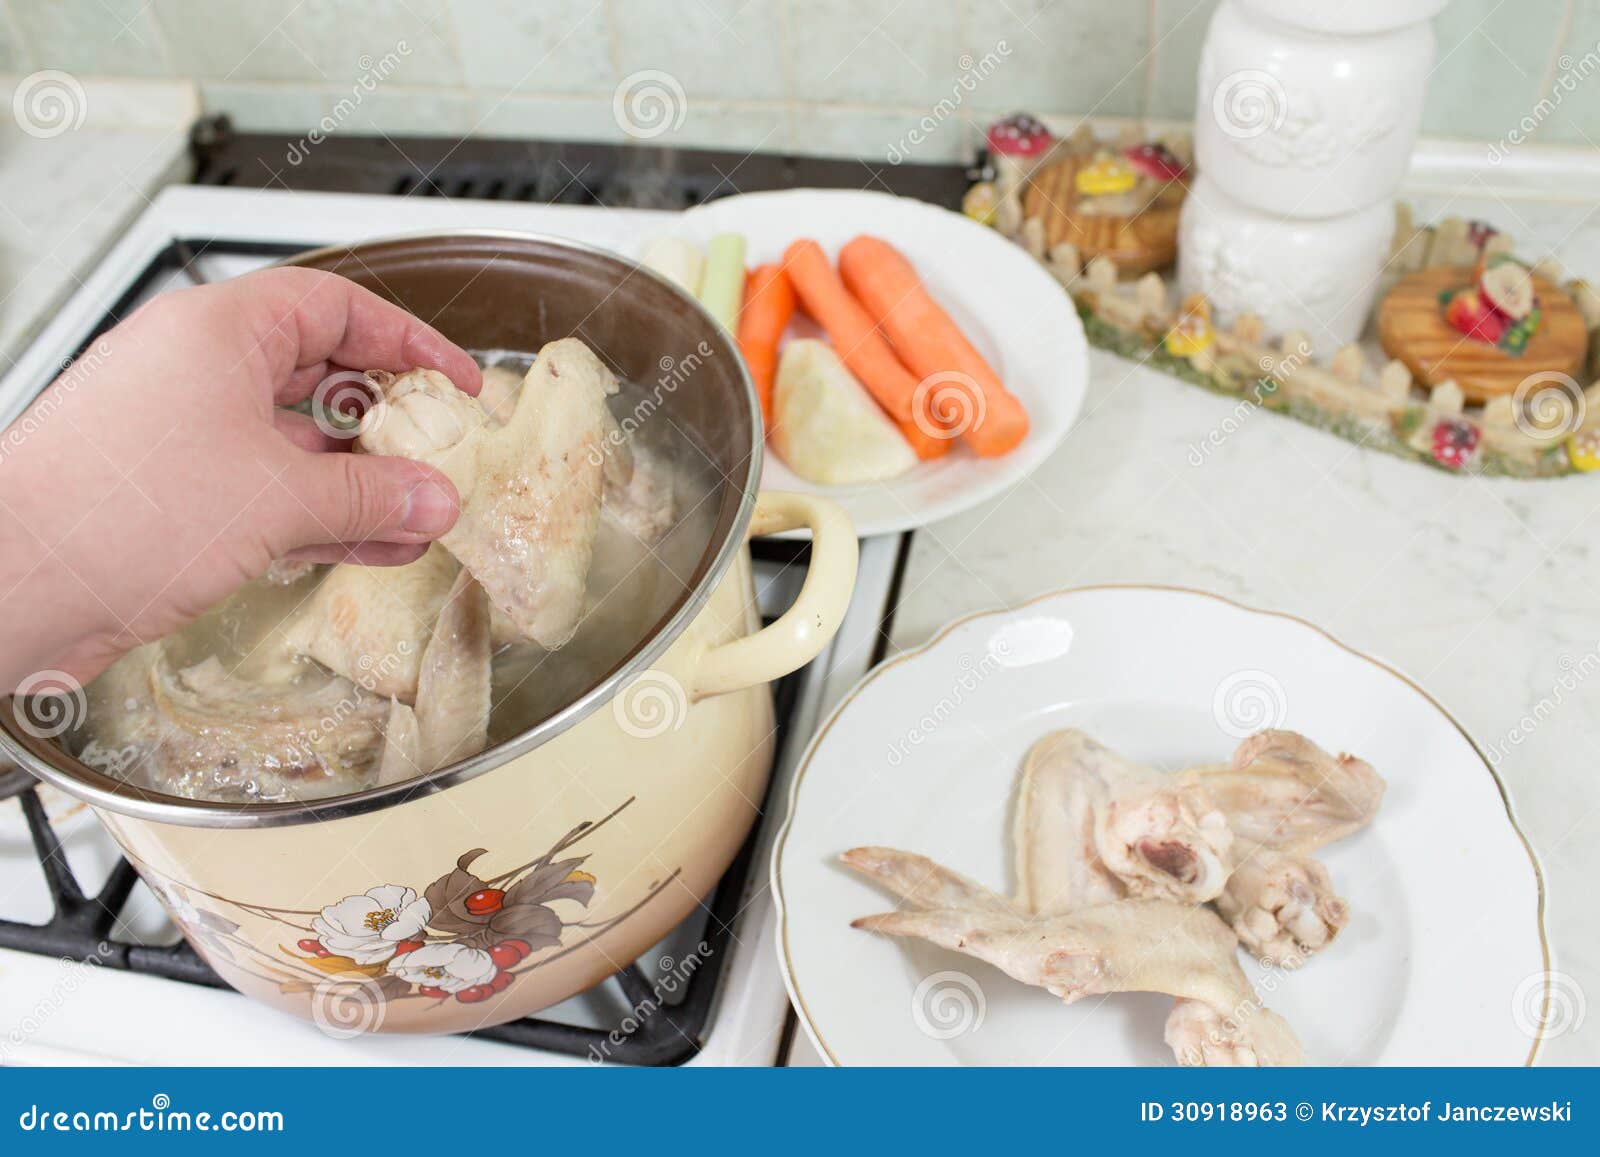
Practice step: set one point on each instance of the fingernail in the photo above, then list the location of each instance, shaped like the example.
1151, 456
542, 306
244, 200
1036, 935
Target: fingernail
430, 509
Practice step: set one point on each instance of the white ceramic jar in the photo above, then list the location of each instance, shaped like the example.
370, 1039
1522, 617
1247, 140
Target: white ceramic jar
1316, 277
1310, 116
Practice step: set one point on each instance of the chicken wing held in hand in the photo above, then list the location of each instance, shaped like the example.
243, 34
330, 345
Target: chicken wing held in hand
531, 489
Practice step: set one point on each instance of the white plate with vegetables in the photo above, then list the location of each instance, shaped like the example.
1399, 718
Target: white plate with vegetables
913, 363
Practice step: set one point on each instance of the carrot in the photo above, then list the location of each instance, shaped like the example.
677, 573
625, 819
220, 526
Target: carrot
932, 345
768, 305
860, 346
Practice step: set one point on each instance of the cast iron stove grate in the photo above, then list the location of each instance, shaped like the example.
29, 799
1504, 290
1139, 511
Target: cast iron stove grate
82, 926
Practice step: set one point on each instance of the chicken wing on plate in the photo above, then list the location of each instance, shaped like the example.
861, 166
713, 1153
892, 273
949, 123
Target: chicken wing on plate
1135, 945
1158, 835
1282, 791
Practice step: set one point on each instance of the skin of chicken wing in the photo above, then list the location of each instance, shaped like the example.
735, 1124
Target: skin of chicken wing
1159, 836
1059, 869
1283, 907
1282, 791
531, 489
1135, 945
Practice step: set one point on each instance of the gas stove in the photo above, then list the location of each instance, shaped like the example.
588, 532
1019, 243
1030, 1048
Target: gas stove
92, 970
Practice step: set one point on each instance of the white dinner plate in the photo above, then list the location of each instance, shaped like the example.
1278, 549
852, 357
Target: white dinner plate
1017, 315
1444, 960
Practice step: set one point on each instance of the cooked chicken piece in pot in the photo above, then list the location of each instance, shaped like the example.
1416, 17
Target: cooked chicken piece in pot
371, 624
205, 733
530, 490
451, 718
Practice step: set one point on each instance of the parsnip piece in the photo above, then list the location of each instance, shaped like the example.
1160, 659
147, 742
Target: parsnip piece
677, 260
826, 426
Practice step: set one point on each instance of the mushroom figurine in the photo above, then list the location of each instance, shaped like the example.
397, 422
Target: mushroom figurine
1016, 144
1583, 450
1154, 160
1192, 334
1105, 176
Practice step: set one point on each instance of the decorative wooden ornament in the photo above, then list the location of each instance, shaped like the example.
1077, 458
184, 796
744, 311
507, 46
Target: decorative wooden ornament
1120, 206
1413, 328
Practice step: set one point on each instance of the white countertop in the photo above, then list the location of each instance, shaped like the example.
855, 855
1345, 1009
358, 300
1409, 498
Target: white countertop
65, 198
1483, 591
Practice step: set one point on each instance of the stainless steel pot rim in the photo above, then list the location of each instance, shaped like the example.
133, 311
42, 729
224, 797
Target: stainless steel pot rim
49, 763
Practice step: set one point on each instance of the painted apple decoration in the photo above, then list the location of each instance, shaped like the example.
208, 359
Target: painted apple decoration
432, 991
1454, 443
1508, 287
475, 994
485, 901
1470, 313
1154, 160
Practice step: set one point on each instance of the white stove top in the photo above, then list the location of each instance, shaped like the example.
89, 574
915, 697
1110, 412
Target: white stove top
66, 1012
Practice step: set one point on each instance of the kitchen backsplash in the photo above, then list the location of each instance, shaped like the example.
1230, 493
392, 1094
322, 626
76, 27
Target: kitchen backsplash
906, 80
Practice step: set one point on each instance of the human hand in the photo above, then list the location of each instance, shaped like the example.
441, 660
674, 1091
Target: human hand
158, 474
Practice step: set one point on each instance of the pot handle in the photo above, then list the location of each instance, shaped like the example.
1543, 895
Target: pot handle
801, 632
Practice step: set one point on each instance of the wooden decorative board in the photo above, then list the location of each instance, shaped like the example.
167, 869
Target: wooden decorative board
1412, 328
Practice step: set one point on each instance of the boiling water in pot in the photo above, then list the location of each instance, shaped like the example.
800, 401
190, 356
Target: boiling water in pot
291, 731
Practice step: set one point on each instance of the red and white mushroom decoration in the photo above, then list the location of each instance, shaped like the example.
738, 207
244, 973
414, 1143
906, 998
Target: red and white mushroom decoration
1154, 160
1015, 145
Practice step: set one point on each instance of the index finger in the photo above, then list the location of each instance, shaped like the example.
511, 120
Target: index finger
304, 317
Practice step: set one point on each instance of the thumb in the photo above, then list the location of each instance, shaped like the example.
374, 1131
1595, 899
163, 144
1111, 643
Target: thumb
349, 498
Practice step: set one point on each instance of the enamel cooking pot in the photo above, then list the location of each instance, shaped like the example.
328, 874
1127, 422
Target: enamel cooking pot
517, 878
